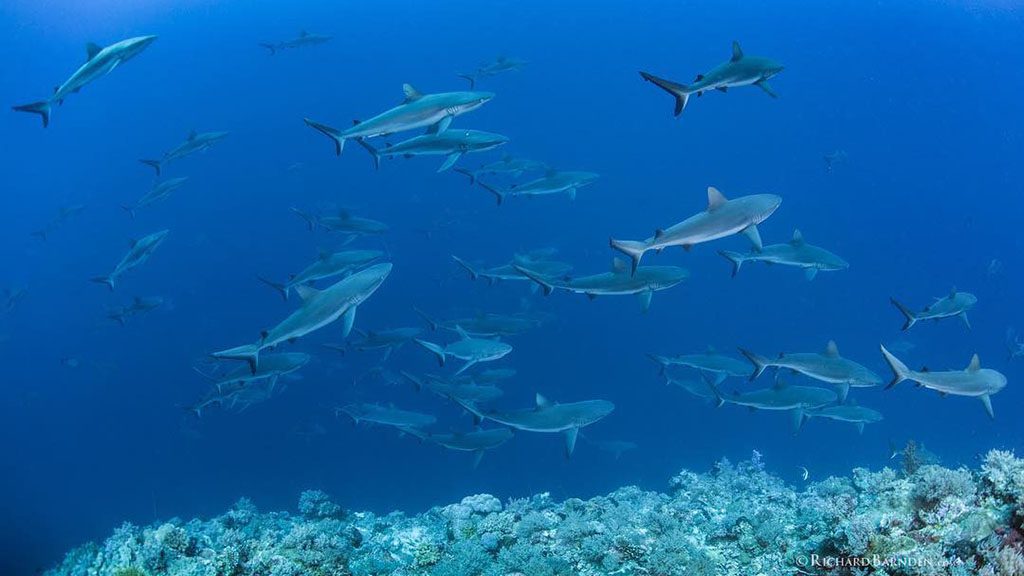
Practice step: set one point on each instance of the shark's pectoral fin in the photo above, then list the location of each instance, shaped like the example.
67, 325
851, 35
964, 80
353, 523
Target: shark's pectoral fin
798, 419
722, 88
764, 85
450, 161
645, 300
570, 440
860, 427
754, 236
843, 391
810, 273
477, 457
440, 126
572, 193
347, 320
963, 316
466, 366
986, 401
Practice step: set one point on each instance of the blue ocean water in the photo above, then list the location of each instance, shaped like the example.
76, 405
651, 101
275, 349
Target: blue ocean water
921, 96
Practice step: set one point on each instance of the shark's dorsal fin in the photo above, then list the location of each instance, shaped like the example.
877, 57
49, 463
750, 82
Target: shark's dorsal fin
323, 254
658, 233
306, 292
715, 198
192, 135
542, 402
303, 34
831, 350
91, 50
462, 333
411, 94
952, 292
798, 238
975, 364
737, 52
710, 350
779, 384
698, 78
343, 214
550, 172
502, 58
619, 266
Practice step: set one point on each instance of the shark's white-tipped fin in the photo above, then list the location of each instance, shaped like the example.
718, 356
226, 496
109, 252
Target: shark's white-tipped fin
975, 364
645, 300
619, 266
798, 419
754, 236
570, 440
347, 320
737, 52
831, 350
860, 427
843, 390
305, 292
440, 126
541, 401
477, 457
411, 94
450, 161
810, 273
963, 317
798, 238
715, 198
986, 401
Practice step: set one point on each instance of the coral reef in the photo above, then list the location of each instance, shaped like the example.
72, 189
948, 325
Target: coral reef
736, 519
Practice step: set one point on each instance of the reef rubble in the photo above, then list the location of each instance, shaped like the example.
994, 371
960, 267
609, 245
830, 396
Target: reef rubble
736, 519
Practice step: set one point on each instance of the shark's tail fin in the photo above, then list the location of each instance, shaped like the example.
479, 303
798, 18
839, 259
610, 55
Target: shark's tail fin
662, 363
544, 283
469, 406
374, 153
759, 362
434, 349
681, 92
269, 46
635, 250
416, 382
154, 164
467, 173
466, 266
108, 280
498, 194
281, 288
332, 133
911, 318
735, 257
900, 372
426, 318
248, 352
310, 219
42, 108
469, 78
713, 387
129, 209
41, 234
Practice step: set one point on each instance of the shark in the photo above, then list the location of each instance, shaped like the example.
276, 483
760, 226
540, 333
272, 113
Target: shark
796, 252
499, 65
954, 305
539, 264
418, 110
827, 366
1014, 344
550, 417
327, 265
236, 396
712, 361
848, 412
508, 164
455, 390
702, 387
386, 415
723, 217
783, 397
63, 215
302, 40
158, 192
451, 143
478, 441
139, 305
833, 158
139, 253
740, 70
345, 223
973, 382
644, 282
486, 325
614, 447
487, 376
271, 366
552, 182
12, 295
194, 142
388, 340
469, 348
98, 63
319, 308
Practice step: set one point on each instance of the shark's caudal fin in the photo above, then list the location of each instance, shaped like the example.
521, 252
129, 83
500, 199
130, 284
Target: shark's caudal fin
900, 372
374, 153
154, 164
735, 257
466, 266
543, 282
42, 108
248, 352
432, 348
469, 78
911, 318
416, 382
332, 133
662, 363
279, 287
108, 280
498, 194
426, 318
311, 220
269, 46
635, 250
468, 173
681, 92
759, 362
